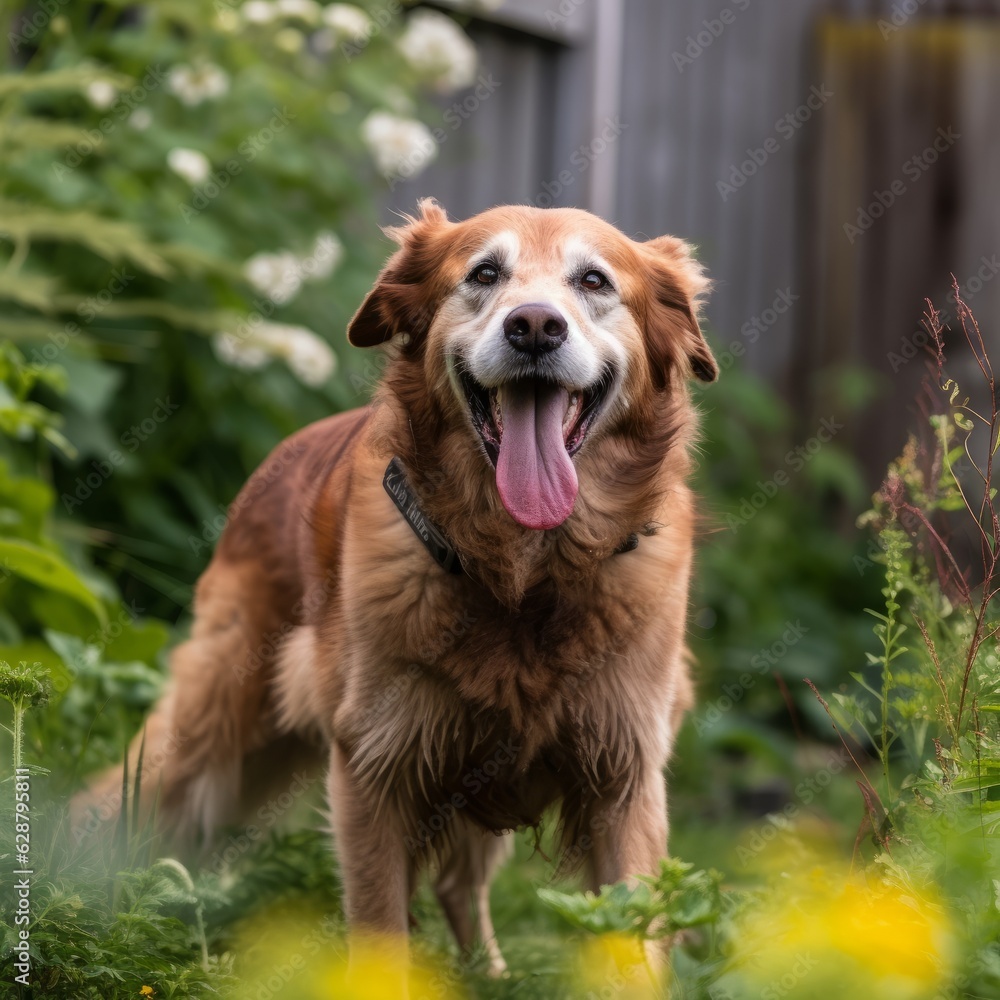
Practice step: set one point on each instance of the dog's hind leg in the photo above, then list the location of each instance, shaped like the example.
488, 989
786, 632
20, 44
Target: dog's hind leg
463, 889
213, 720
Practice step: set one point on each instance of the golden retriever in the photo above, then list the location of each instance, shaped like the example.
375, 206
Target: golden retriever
470, 596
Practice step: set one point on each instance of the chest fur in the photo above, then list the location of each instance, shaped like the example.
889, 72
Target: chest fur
496, 715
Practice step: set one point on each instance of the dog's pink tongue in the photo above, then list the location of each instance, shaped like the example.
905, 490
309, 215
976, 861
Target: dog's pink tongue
535, 475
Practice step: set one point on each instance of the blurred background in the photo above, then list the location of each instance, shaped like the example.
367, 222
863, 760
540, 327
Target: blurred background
190, 202
763, 132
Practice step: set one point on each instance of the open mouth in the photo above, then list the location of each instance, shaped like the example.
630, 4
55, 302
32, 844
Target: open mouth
486, 409
531, 429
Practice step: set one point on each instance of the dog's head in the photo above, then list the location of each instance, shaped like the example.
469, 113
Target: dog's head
538, 329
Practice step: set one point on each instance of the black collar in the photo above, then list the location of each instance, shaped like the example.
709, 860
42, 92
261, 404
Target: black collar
434, 541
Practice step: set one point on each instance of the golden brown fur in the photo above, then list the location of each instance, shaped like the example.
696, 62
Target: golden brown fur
553, 668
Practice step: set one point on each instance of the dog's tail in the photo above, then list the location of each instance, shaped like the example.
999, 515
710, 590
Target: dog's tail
211, 747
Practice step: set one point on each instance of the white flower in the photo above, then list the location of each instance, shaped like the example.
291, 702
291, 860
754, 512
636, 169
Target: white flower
101, 94
258, 12
276, 275
239, 352
327, 253
305, 10
194, 84
193, 166
308, 357
347, 21
437, 48
140, 119
401, 146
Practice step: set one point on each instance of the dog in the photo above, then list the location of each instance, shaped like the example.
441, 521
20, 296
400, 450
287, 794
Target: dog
468, 598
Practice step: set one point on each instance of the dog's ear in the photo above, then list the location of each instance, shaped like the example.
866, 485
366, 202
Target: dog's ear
677, 284
401, 301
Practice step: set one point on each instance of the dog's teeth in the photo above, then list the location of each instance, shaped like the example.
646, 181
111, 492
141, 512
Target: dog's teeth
572, 412
496, 409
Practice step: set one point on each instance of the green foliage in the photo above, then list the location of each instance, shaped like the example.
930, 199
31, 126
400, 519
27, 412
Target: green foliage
23, 686
780, 584
145, 167
768, 557
678, 898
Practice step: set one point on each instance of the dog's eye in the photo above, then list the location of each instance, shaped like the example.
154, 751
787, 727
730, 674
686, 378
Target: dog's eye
594, 281
485, 274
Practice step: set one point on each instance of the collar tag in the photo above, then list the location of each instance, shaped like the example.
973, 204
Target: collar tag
436, 544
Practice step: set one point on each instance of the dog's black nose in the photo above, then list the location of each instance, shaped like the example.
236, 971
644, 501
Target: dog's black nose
535, 328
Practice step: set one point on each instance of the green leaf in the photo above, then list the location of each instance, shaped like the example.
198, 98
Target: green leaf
76, 79
38, 565
603, 914
108, 238
988, 777
33, 291
36, 133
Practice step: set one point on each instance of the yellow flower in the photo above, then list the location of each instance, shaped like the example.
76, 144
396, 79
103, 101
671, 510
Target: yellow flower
378, 969
146, 991
827, 933
304, 956
615, 964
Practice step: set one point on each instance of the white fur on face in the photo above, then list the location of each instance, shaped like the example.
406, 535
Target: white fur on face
599, 324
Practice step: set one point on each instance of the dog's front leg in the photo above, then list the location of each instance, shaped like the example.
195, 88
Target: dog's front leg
628, 839
375, 870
